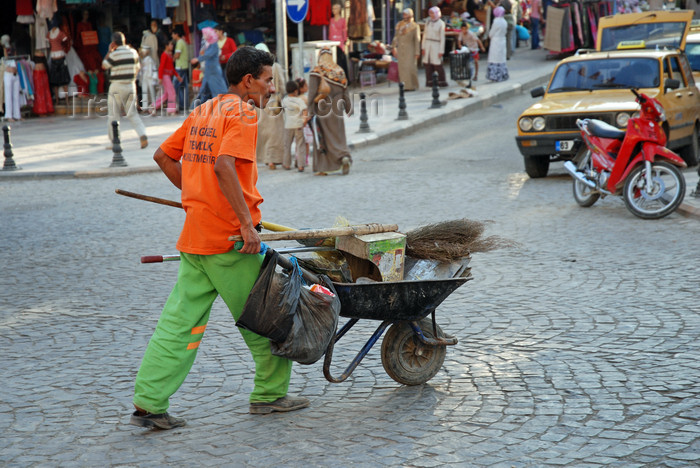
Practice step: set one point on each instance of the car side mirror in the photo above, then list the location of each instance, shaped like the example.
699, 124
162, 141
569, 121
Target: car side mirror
537, 92
672, 84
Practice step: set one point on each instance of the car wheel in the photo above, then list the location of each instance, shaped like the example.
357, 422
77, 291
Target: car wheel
536, 166
691, 153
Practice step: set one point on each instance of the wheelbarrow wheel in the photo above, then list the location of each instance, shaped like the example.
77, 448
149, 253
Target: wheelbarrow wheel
406, 359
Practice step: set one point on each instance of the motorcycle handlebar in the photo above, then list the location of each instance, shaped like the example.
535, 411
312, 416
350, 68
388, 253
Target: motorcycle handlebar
640, 98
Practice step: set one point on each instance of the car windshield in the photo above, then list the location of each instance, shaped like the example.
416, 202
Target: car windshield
587, 75
693, 53
653, 34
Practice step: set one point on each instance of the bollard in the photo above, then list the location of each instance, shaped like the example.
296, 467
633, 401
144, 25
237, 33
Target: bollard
436, 94
364, 126
117, 158
403, 115
9, 162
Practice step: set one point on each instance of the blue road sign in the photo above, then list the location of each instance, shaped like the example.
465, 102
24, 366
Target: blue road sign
297, 9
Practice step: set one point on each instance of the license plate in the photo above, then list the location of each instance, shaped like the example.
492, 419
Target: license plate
564, 145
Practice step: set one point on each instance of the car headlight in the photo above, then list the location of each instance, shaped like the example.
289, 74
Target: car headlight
622, 119
635, 115
538, 123
525, 124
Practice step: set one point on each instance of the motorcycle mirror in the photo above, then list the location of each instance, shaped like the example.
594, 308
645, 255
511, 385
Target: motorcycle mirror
537, 92
672, 84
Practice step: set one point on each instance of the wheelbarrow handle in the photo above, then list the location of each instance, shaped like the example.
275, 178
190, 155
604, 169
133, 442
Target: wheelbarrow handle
175, 258
160, 258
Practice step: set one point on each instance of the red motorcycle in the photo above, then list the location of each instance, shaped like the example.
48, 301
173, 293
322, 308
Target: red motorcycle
634, 163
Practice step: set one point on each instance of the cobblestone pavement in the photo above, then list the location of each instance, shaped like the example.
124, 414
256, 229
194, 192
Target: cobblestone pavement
579, 347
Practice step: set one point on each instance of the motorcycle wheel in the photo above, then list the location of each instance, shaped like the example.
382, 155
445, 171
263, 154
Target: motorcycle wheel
660, 200
584, 195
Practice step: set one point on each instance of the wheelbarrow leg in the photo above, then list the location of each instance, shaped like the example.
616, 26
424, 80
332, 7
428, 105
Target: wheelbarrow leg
445, 340
360, 356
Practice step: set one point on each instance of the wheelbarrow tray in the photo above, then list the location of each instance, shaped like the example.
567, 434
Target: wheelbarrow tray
396, 300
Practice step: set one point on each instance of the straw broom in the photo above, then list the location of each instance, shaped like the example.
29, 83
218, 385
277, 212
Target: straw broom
451, 240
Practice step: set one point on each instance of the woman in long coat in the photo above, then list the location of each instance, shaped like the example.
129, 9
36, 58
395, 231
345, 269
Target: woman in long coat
406, 45
328, 99
270, 146
433, 48
497, 69
213, 82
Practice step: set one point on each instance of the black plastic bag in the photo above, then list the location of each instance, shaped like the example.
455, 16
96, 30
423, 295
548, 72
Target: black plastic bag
314, 325
273, 301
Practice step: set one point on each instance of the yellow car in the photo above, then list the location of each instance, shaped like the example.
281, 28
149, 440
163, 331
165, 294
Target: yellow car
635, 50
692, 50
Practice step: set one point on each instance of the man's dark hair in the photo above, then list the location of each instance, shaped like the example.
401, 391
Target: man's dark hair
220, 27
247, 60
118, 38
291, 86
179, 30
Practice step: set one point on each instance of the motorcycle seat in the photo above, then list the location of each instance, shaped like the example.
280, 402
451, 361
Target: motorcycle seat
604, 130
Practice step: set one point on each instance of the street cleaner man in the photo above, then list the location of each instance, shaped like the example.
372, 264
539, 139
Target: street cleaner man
211, 158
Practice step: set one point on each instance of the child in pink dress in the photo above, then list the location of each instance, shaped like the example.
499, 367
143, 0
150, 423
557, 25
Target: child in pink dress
166, 71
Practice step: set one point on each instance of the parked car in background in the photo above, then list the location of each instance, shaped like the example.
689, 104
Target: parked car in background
636, 50
692, 50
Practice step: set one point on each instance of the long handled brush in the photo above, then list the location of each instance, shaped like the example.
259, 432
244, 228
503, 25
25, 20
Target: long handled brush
451, 240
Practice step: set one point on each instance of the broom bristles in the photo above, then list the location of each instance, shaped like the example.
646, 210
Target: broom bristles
451, 240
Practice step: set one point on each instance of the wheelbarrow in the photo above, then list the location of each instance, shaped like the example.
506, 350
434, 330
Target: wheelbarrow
414, 348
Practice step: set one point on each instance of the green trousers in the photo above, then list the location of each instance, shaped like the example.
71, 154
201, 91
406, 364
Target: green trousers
173, 346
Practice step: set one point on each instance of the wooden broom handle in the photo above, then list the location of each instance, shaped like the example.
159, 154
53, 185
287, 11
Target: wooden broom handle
163, 201
138, 196
326, 232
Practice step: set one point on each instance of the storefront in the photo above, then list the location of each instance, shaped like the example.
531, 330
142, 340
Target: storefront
89, 25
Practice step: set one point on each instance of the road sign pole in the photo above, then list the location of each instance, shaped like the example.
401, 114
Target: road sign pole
297, 10
281, 22
300, 32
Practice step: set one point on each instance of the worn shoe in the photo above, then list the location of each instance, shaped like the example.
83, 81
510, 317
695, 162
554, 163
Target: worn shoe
161, 421
345, 164
144, 141
281, 405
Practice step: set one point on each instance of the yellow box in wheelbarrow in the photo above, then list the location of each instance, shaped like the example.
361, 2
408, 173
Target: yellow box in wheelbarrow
386, 250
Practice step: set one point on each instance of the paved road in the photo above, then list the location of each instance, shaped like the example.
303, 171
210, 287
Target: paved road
578, 348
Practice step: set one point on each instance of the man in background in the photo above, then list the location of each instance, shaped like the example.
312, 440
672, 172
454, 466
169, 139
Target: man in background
123, 63
181, 55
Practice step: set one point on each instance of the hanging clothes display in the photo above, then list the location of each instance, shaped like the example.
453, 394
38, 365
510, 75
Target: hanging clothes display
358, 26
43, 104
183, 14
41, 32
85, 44
573, 24
24, 8
46, 8
155, 8
319, 13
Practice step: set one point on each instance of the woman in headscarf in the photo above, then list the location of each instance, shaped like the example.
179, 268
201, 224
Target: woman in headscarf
270, 146
213, 82
497, 70
406, 49
328, 98
433, 47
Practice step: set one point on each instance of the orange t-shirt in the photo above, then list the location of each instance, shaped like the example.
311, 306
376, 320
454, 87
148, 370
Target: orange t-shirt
222, 126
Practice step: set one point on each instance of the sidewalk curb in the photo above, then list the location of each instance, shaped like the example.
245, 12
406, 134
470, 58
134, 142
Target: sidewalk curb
485, 100
94, 173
